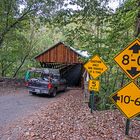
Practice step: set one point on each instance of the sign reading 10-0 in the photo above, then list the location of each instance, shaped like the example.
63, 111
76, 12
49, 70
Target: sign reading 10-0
127, 100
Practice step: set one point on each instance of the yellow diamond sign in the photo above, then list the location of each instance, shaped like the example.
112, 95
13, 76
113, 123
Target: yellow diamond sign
127, 100
95, 66
93, 85
129, 59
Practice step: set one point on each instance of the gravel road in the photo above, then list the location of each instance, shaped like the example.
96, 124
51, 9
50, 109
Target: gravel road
65, 117
18, 103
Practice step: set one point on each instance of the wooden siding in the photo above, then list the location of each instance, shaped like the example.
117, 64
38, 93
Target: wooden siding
60, 54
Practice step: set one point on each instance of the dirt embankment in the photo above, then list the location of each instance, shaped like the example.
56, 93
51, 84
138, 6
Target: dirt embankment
69, 118
9, 86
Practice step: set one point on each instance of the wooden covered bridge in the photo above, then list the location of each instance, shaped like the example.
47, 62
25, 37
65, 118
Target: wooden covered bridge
66, 59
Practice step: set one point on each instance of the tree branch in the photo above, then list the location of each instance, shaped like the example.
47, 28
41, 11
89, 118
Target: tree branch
8, 28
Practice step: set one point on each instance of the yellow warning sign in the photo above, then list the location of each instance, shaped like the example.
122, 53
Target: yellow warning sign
129, 59
95, 66
93, 85
127, 100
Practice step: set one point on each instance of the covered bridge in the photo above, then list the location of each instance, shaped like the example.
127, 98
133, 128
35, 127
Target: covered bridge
65, 58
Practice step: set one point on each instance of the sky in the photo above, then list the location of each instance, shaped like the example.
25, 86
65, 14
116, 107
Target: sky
114, 4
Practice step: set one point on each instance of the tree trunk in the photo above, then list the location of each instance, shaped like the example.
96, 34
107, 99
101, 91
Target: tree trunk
1, 41
4, 68
122, 81
21, 64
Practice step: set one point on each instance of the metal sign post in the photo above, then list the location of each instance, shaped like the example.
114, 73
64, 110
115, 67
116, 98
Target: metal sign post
127, 127
95, 67
92, 87
92, 101
128, 102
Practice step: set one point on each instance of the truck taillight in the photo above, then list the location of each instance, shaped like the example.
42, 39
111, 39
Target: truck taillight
26, 84
50, 86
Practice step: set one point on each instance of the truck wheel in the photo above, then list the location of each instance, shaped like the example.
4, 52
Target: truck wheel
65, 88
54, 92
33, 93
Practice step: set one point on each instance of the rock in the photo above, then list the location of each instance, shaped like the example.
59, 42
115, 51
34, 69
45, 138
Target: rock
32, 134
27, 133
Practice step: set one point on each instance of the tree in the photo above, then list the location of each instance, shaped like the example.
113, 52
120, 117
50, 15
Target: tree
96, 28
12, 15
16, 35
138, 20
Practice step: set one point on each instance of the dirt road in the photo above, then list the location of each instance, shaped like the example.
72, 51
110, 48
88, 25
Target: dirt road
65, 117
18, 103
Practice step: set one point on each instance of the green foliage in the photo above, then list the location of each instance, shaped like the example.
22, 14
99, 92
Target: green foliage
92, 26
23, 33
98, 30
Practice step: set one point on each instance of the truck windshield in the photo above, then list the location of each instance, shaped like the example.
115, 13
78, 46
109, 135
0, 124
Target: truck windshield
46, 76
56, 76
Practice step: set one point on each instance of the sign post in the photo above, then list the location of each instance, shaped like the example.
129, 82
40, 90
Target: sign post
126, 101
92, 100
95, 67
127, 127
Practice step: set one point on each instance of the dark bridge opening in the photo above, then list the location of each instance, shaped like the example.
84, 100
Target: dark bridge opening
73, 75
71, 72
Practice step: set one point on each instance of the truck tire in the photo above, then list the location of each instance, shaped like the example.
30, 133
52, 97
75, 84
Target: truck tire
33, 93
65, 88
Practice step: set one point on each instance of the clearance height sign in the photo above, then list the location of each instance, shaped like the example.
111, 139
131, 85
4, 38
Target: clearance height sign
129, 59
127, 100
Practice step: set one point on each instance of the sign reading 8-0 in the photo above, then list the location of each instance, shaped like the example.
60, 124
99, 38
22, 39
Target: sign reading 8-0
129, 59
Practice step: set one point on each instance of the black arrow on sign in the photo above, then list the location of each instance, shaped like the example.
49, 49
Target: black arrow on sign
133, 72
135, 48
116, 97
